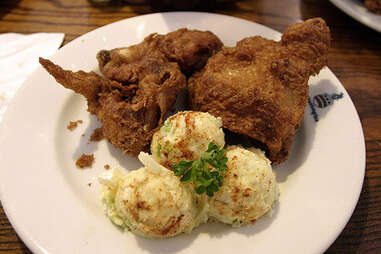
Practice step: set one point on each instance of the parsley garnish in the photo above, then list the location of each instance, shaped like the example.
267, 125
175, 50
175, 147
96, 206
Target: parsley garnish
205, 172
167, 126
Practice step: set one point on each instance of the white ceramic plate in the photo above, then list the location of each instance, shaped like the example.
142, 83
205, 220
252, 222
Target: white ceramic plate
357, 10
51, 206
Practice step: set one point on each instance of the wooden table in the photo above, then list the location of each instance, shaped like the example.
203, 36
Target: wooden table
355, 58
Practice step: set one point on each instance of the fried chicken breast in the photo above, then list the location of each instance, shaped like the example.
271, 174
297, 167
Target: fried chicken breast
189, 48
259, 88
129, 113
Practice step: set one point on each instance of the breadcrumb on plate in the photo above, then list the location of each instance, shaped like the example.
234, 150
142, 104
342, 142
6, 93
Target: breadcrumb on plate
85, 160
73, 125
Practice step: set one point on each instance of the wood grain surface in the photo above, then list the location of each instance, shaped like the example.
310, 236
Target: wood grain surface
355, 58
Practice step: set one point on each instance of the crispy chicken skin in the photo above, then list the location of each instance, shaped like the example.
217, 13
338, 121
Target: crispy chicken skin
129, 113
189, 48
259, 87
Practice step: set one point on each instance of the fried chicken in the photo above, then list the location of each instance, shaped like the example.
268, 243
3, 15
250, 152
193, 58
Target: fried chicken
142, 83
373, 5
129, 113
260, 88
189, 48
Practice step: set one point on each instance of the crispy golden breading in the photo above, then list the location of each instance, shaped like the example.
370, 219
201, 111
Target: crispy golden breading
129, 113
189, 48
259, 87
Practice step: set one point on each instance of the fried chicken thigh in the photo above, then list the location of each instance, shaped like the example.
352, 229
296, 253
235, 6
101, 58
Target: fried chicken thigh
260, 88
189, 48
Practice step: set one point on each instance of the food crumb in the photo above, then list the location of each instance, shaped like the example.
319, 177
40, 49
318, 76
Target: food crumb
97, 134
89, 184
85, 160
72, 125
107, 166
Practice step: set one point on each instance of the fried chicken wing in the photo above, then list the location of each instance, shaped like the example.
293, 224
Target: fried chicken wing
189, 48
142, 83
260, 88
129, 113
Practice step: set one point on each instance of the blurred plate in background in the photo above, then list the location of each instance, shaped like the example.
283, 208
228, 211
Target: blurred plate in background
357, 10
